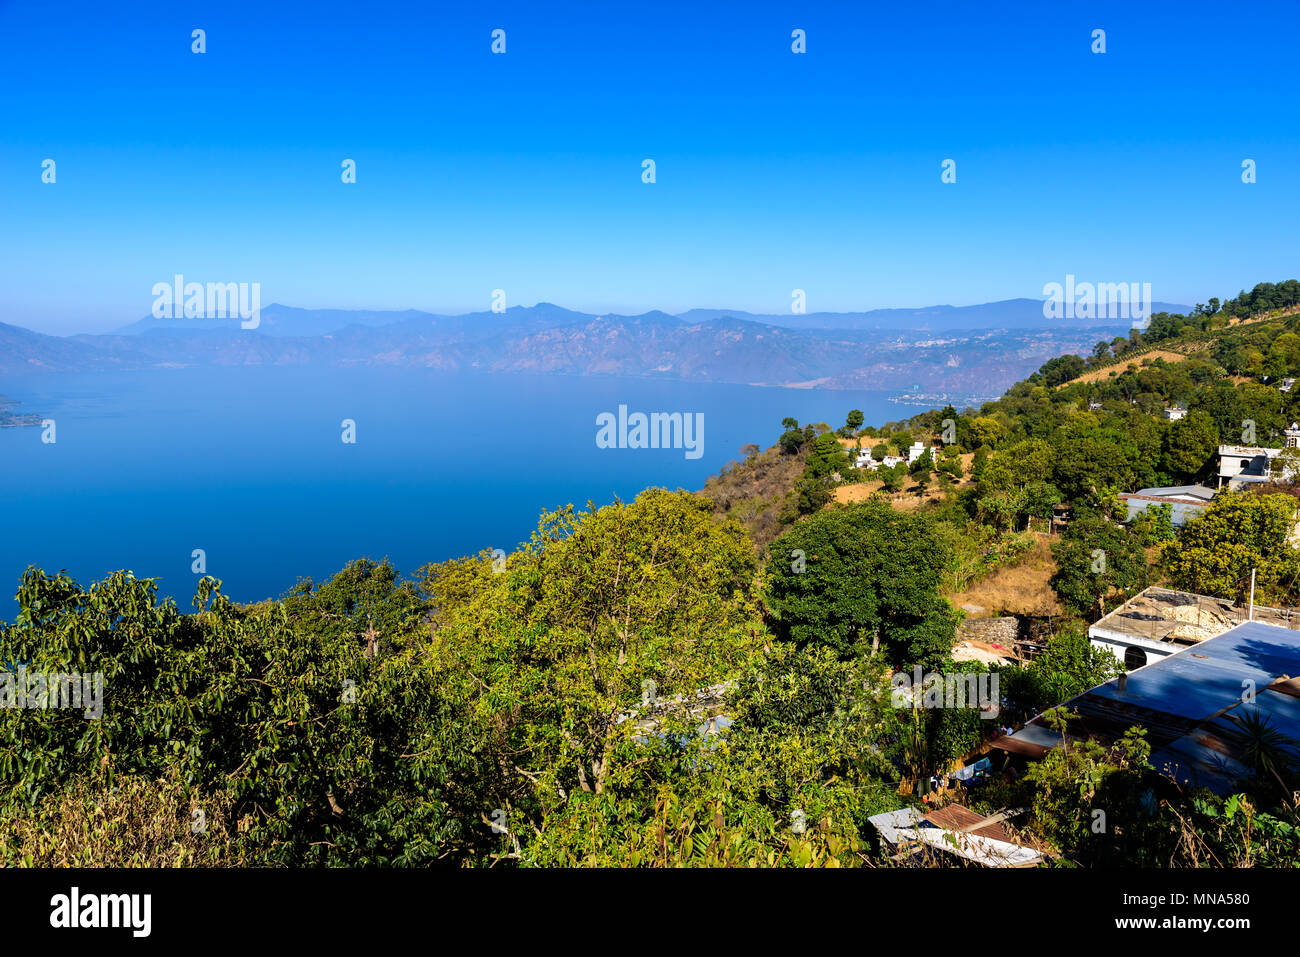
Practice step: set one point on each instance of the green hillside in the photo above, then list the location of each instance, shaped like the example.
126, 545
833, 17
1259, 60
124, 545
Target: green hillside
688, 679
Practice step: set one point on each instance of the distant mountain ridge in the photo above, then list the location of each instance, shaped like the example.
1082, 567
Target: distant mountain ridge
281, 320
958, 351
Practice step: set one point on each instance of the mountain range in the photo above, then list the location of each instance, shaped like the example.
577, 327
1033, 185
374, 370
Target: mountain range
956, 351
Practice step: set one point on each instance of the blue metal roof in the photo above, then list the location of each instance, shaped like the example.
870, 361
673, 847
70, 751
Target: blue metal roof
1192, 704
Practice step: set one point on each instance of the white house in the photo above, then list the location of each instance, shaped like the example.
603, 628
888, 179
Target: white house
1242, 465
1158, 622
1286, 385
1174, 413
915, 452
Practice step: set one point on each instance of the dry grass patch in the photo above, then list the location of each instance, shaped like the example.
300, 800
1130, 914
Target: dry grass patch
1019, 589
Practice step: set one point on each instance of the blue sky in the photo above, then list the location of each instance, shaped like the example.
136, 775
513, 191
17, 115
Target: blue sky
523, 171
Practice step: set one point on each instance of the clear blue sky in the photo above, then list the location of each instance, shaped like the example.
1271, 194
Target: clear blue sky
775, 171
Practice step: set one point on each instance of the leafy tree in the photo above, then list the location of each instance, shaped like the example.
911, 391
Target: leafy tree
1061, 369
985, 431
1099, 566
809, 495
1089, 460
871, 575
1153, 525
1189, 445
1028, 461
791, 441
853, 422
1213, 555
1068, 666
825, 456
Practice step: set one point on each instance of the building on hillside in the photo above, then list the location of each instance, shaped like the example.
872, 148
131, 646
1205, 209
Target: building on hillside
1286, 386
1243, 465
1174, 413
1184, 501
864, 460
1158, 622
915, 451
1193, 707
889, 461
1094, 405
924, 836
708, 705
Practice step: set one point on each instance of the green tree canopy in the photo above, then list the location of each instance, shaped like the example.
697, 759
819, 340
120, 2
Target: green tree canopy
1213, 555
868, 572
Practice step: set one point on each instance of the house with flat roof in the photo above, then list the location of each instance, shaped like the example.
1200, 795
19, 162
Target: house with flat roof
1243, 465
1174, 413
1197, 707
1159, 622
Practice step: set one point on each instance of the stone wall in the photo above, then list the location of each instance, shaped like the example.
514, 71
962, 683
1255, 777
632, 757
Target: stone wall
1004, 631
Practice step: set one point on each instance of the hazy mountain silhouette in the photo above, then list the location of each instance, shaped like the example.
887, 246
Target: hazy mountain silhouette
958, 349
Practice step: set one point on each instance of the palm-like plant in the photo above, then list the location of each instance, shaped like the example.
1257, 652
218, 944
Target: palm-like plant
1266, 748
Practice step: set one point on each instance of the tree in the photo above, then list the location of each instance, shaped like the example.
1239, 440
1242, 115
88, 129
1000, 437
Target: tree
1099, 566
810, 494
1213, 555
1189, 444
1068, 666
985, 430
1240, 411
825, 457
950, 464
791, 441
870, 574
1061, 369
1030, 461
1090, 459
893, 477
853, 422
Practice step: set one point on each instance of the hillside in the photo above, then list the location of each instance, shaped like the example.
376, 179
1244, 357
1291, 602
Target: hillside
1053, 440
562, 705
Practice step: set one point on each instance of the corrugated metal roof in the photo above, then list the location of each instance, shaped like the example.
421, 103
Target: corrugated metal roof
1193, 705
950, 829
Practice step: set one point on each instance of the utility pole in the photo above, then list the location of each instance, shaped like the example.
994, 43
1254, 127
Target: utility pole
1250, 615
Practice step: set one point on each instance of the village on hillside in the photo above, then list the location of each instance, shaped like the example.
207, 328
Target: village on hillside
1119, 507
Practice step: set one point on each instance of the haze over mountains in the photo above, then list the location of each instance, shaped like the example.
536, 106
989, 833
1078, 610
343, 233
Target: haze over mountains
958, 351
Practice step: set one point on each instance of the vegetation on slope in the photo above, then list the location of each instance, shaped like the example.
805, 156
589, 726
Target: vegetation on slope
558, 706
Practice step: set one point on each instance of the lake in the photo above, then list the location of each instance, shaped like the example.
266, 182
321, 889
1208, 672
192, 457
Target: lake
249, 465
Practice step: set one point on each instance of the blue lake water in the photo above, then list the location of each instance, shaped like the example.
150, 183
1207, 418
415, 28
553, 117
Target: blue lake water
248, 464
